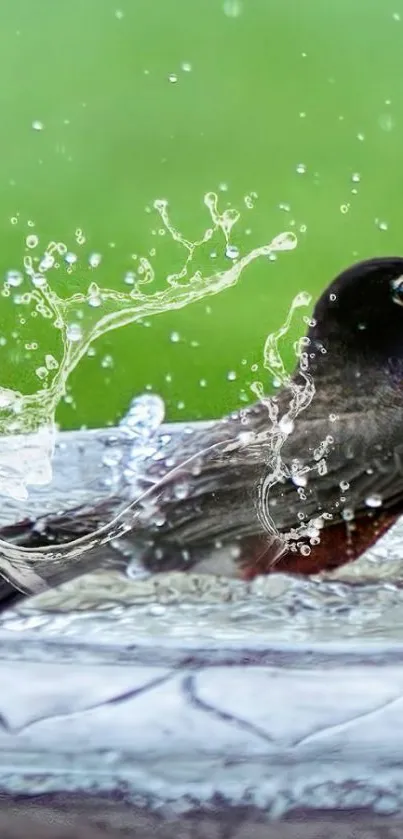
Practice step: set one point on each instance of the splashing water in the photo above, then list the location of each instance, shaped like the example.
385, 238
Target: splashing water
80, 319
301, 395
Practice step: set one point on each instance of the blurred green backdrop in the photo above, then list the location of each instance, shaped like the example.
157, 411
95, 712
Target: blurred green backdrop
109, 104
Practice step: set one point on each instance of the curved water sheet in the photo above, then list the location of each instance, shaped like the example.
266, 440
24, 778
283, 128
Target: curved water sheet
27, 420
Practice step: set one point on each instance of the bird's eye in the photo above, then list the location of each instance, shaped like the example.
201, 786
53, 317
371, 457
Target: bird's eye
397, 291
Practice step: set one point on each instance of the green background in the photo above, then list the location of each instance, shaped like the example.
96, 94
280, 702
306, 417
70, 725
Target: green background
272, 85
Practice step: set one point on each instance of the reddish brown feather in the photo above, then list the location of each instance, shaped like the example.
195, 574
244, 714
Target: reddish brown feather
339, 544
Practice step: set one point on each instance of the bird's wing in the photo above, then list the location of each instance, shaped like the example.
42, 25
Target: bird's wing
208, 486
223, 497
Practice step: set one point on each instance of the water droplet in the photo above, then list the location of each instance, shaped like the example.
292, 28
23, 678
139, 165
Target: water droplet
203, 383
31, 241
344, 208
74, 332
299, 480
301, 168
145, 415
107, 361
386, 122
38, 280
322, 467
181, 490
284, 206
305, 550
80, 238
361, 137
223, 187
46, 262
70, 258
95, 260
332, 297
232, 8
396, 16
374, 500
37, 125
129, 278
51, 362
232, 252
175, 337
344, 486
186, 67
356, 177
173, 78
158, 519
14, 278
347, 514
286, 425
231, 376
119, 14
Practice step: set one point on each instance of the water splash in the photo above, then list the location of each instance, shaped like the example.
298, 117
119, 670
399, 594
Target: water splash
302, 390
79, 320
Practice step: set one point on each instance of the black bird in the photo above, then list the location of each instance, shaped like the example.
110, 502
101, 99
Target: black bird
340, 482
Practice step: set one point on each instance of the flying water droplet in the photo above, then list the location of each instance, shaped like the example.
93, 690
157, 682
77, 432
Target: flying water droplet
301, 169
145, 415
74, 332
107, 361
70, 258
37, 125
14, 278
374, 500
299, 480
181, 490
172, 78
386, 122
232, 252
356, 177
175, 337
46, 262
129, 278
158, 519
232, 8
95, 260
286, 425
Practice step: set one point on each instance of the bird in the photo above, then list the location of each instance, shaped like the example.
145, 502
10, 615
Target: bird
299, 482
